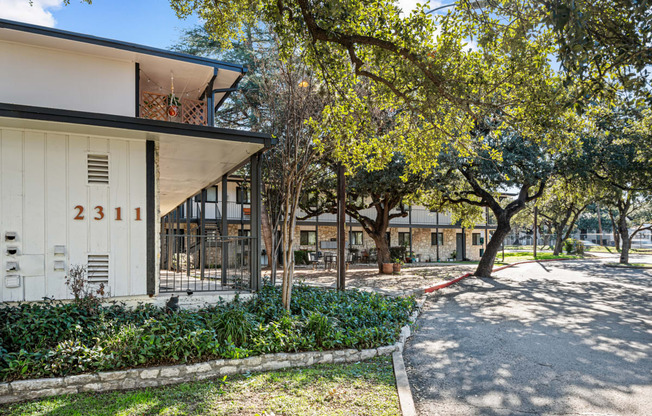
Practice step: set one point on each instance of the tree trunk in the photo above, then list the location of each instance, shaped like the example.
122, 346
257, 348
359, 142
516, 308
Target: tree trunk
626, 240
288, 262
382, 248
559, 240
489, 257
266, 230
614, 230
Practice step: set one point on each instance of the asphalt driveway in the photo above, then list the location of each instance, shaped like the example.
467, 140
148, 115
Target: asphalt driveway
559, 338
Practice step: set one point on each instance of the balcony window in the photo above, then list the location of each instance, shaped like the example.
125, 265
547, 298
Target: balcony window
242, 195
308, 238
476, 239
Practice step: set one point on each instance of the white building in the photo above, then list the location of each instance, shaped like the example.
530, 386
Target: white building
94, 151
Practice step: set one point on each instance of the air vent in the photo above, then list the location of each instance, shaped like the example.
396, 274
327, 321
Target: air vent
98, 169
98, 268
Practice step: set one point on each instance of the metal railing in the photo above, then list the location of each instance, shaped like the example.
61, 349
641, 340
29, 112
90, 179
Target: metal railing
195, 263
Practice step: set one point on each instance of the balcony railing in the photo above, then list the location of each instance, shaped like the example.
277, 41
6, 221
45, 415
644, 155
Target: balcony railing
237, 212
155, 106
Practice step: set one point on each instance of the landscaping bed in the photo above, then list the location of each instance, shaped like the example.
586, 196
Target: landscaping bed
364, 388
53, 339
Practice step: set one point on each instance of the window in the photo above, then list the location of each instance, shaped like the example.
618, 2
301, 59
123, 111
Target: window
308, 238
477, 239
403, 239
211, 195
437, 239
388, 237
245, 233
242, 195
356, 238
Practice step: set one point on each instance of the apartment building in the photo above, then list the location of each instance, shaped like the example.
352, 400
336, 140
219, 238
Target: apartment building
100, 139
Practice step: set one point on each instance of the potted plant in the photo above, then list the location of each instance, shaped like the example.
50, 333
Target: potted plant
388, 268
396, 267
453, 256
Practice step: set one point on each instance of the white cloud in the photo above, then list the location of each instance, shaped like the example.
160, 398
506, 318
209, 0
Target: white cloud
37, 13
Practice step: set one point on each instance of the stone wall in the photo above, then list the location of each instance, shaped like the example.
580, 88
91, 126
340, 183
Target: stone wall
421, 241
16, 391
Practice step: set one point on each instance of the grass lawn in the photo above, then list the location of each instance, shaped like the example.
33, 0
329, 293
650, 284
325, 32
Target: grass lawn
364, 388
645, 265
516, 257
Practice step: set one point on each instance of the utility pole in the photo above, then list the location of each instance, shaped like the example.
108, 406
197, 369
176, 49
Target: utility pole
535, 232
341, 227
597, 206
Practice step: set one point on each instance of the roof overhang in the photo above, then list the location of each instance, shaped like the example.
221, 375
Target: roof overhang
190, 157
191, 73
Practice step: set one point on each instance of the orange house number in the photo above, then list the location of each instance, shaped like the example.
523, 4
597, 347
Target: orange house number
98, 213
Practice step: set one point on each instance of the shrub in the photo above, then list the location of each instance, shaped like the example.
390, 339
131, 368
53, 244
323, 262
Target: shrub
573, 246
301, 257
398, 252
49, 339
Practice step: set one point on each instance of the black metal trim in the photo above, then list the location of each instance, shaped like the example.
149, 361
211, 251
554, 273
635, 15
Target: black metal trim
323, 223
150, 174
116, 44
132, 123
137, 95
233, 87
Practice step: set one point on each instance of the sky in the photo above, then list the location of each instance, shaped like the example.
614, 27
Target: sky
146, 22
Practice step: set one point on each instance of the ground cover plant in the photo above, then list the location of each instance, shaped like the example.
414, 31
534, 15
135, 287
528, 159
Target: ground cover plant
364, 388
49, 339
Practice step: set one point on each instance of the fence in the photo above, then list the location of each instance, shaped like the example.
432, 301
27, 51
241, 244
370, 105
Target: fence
195, 263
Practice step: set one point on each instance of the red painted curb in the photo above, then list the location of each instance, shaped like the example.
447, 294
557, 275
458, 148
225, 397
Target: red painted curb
457, 279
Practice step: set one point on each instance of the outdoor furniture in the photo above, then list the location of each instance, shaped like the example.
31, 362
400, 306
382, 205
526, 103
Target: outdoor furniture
313, 258
330, 261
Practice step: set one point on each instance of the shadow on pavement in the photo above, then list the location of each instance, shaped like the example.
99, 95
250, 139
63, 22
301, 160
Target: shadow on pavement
536, 346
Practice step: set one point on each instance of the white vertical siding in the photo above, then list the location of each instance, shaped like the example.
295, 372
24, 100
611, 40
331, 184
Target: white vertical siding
53, 78
43, 176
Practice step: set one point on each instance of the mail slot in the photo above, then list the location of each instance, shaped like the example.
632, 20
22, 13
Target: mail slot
11, 251
10, 235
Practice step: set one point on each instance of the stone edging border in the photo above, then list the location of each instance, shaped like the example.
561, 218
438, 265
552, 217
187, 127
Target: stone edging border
21, 390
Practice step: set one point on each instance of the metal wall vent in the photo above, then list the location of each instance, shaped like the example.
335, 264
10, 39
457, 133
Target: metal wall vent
98, 169
98, 268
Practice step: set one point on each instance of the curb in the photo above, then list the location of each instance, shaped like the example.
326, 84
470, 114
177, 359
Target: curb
405, 400
450, 282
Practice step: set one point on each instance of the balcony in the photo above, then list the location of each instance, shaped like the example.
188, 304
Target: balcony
165, 107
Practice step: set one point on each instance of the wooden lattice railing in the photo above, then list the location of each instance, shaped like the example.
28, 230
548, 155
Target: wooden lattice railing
193, 112
154, 106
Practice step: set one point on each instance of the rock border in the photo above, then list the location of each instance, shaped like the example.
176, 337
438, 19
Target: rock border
21, 390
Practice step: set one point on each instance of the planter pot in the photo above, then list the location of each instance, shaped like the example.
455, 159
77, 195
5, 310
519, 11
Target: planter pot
388, 268
396, 268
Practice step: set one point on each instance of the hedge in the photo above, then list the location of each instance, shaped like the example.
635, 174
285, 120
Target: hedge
52, 339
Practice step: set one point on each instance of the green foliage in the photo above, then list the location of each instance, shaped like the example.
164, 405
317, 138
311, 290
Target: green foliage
573, 246
397, 252
301, 257
49, 339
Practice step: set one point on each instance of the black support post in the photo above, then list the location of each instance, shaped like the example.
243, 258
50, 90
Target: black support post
225, 229
255, 222
202, 234
150, 180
